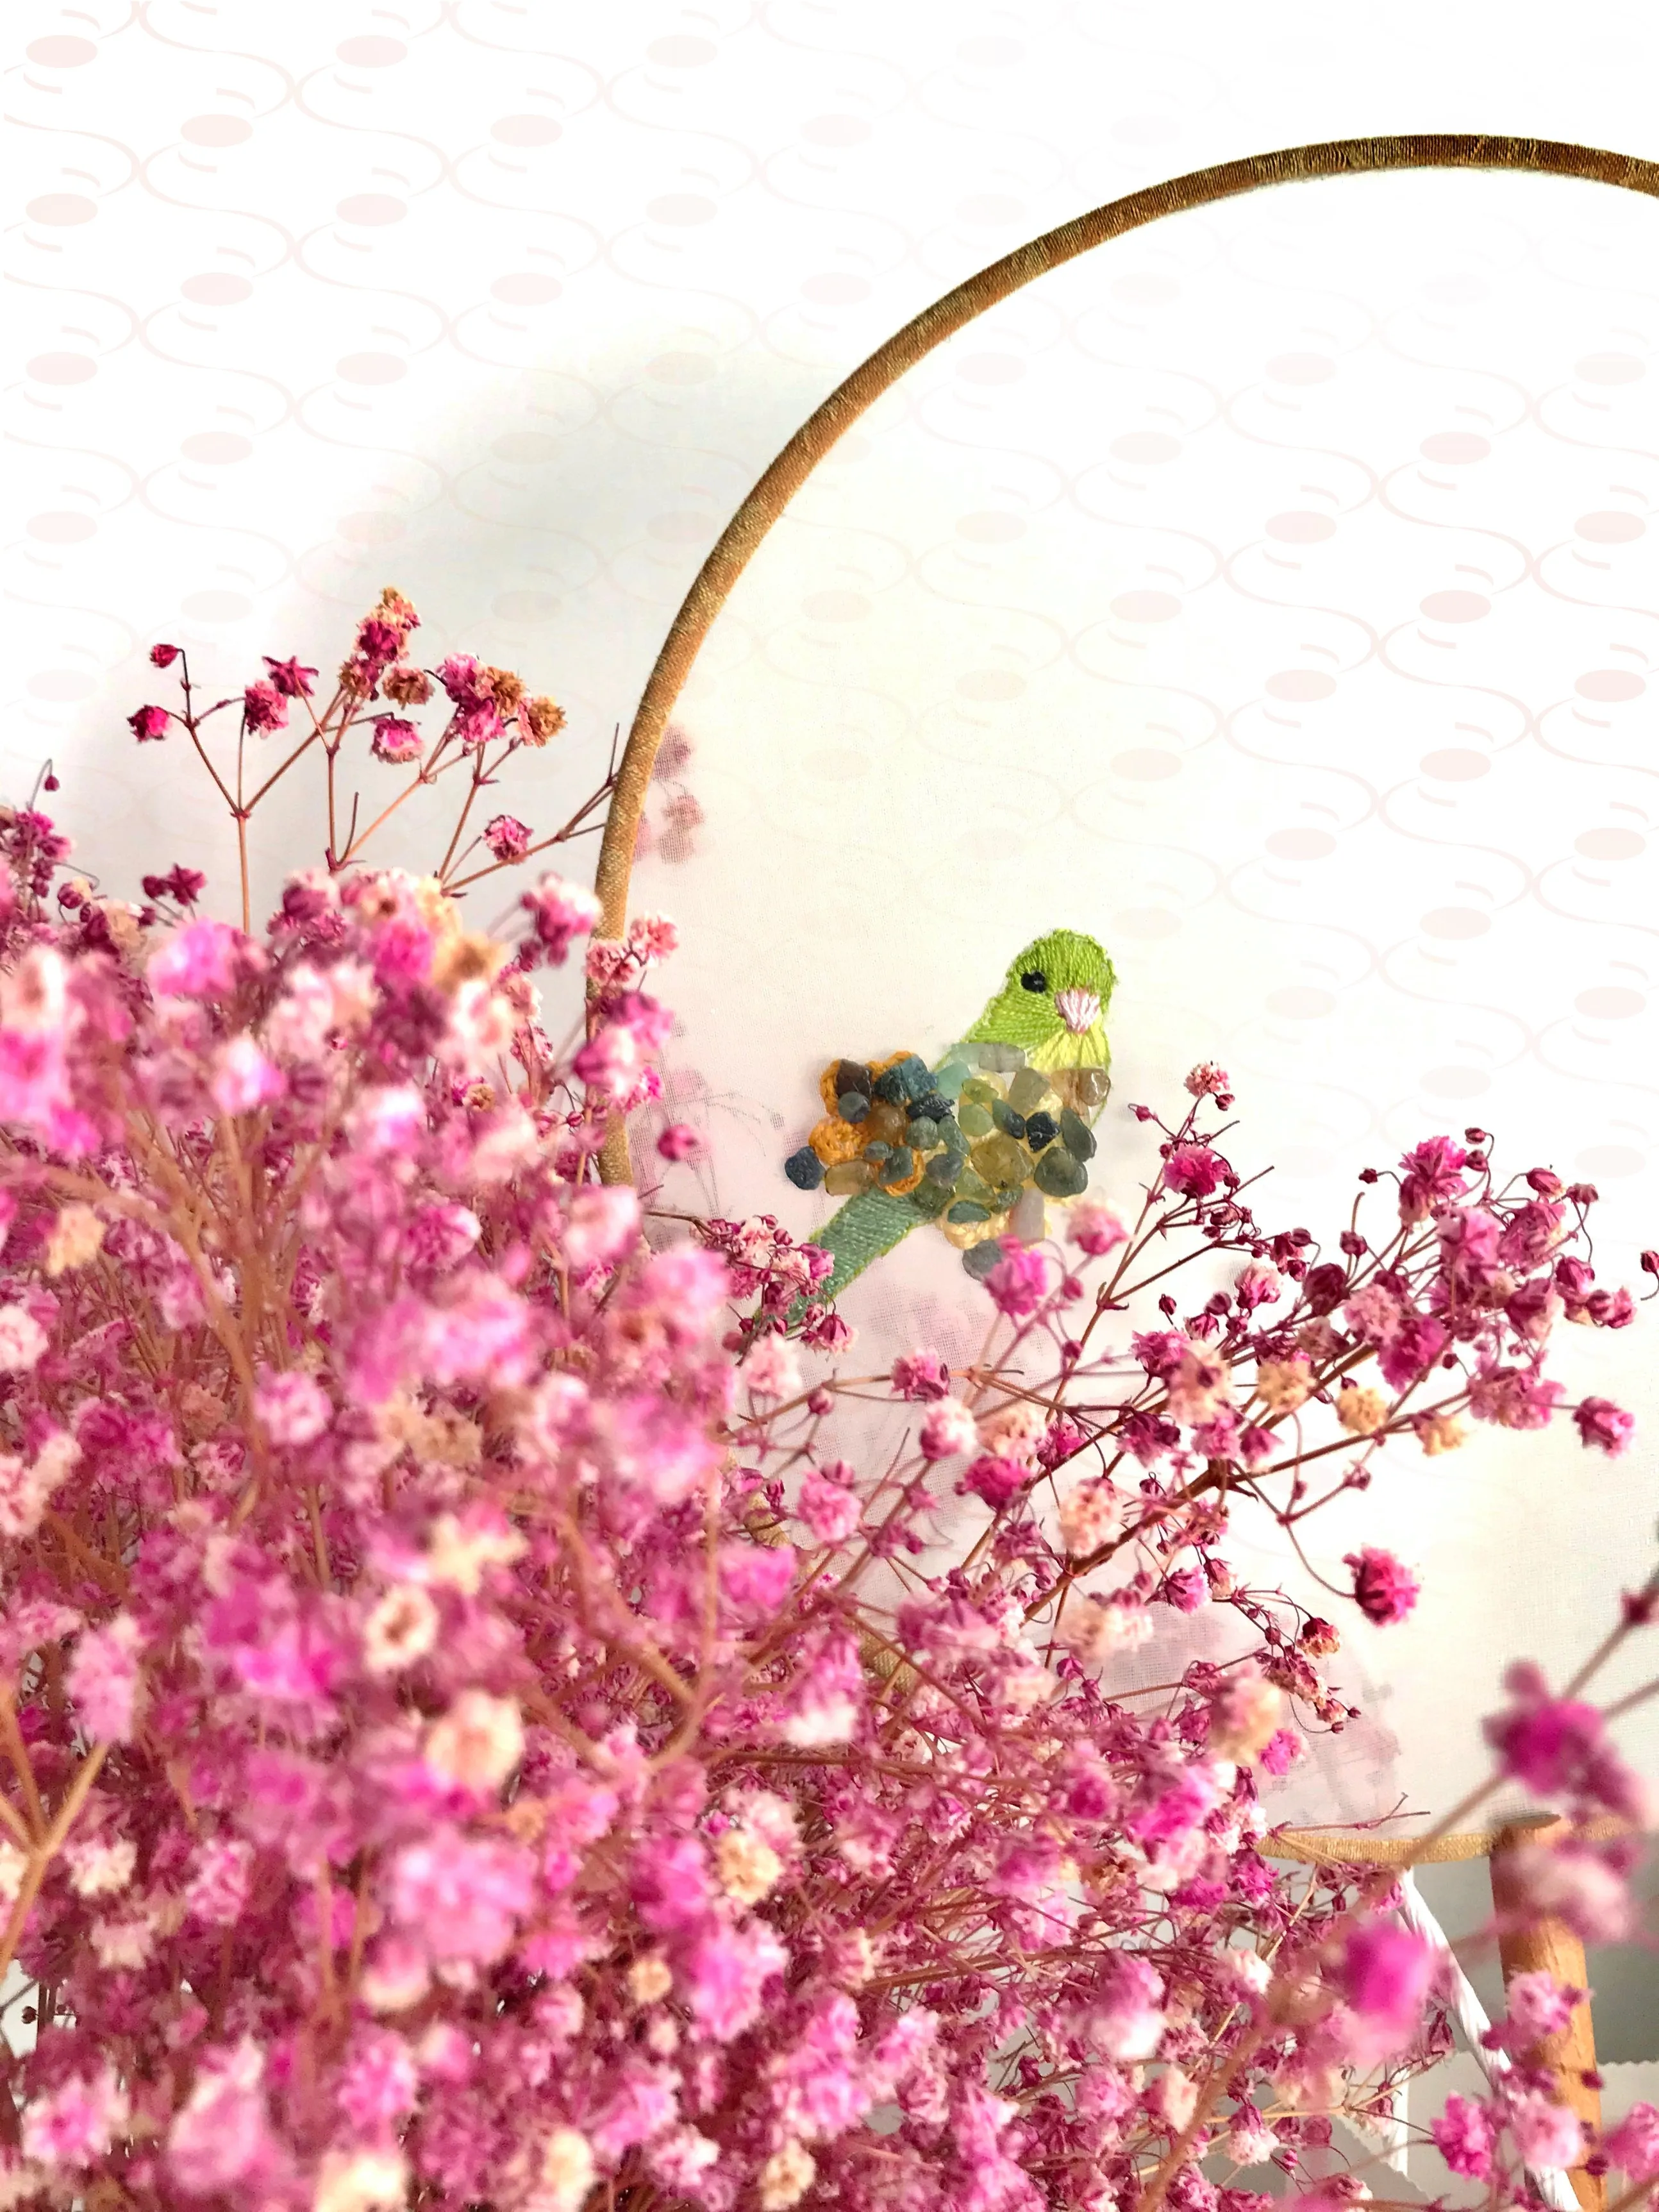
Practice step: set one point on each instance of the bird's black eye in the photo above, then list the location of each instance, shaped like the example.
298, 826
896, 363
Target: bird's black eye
1035, 979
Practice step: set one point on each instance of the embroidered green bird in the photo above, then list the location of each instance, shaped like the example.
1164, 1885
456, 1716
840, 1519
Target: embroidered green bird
978, 1142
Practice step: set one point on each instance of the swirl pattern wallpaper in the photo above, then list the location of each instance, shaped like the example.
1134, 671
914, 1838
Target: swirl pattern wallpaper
1271, 591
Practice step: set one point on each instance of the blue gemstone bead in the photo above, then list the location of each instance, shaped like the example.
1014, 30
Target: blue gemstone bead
908, 1079
804, 1168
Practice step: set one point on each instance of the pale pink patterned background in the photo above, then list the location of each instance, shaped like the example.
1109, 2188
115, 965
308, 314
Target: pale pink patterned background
513, 299
510, 303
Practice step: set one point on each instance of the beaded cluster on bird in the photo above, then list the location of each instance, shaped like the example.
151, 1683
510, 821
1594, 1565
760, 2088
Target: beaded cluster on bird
978, 1144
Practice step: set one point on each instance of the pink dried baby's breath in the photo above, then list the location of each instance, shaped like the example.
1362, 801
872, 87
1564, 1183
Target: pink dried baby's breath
522, 1715
1019, 1282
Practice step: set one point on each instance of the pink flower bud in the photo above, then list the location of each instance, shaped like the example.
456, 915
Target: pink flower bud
1194, 1171
1605, 1425
558, 912
947, 1429
507, 838
1383, 1590
264, 707
1094, 1229
1018, 1282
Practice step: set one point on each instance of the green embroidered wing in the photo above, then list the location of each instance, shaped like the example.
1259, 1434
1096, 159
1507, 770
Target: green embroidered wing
862, 1230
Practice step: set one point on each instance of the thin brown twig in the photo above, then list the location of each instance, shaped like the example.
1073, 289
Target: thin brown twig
17, 1752
45, 1852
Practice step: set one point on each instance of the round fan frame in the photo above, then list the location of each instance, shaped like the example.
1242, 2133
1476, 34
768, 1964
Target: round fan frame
987, 288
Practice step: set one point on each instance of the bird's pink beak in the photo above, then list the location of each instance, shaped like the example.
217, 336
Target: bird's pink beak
1079, 1010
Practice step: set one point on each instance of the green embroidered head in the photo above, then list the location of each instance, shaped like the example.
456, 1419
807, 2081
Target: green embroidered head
1054, 1003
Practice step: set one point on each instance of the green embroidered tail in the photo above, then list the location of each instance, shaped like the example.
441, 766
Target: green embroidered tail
865, 1227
